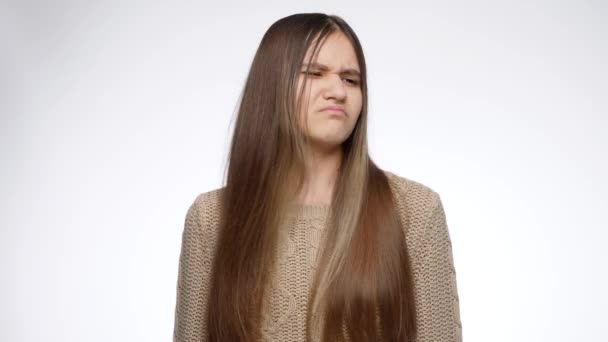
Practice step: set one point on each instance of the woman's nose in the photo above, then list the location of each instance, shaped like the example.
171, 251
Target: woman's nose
335, 87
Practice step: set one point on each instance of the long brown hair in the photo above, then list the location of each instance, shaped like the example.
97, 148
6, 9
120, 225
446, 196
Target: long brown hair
366, 271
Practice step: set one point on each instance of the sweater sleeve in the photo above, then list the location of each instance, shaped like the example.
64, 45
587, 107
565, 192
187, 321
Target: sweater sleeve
190, 314
438, 303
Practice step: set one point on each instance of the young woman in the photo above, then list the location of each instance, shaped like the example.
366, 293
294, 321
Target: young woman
309, 240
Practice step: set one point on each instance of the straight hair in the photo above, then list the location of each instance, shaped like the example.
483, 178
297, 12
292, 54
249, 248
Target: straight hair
364, 271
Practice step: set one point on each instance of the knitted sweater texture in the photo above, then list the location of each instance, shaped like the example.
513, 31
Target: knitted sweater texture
427, 239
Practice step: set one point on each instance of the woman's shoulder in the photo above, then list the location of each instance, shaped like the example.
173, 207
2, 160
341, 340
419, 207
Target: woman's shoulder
205, 210
209, 199
413, 198
416, 203
417, 195
406, 190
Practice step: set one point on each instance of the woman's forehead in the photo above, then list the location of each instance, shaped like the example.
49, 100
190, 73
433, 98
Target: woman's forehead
322, 44
335, 48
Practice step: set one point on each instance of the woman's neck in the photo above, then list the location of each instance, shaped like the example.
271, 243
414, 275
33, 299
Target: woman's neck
320, 179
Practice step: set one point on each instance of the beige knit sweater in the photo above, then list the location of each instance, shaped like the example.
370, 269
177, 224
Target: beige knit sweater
427, 239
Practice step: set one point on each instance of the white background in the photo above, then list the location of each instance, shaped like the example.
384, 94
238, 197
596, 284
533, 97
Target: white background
116, 114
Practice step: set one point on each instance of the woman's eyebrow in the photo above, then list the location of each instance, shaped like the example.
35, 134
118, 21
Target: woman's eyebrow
319, 66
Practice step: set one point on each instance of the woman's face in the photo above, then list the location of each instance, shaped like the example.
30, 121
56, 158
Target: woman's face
333, 82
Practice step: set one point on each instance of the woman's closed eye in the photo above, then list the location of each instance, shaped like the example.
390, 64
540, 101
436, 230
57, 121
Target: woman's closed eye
313, 73
316, 73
